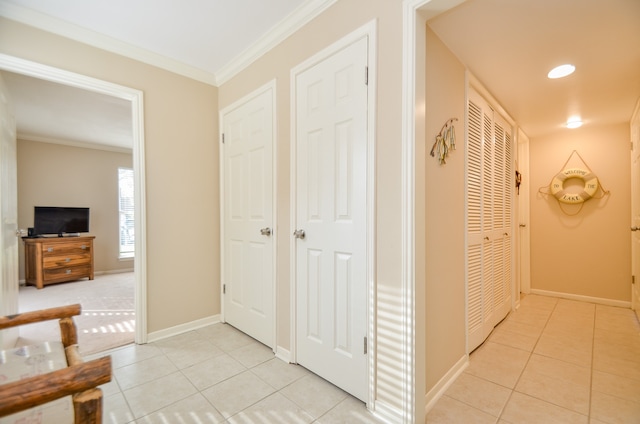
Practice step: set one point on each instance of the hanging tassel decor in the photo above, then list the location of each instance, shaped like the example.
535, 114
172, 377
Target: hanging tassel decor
445, 141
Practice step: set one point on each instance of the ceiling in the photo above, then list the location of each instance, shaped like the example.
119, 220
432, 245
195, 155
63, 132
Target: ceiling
509, 45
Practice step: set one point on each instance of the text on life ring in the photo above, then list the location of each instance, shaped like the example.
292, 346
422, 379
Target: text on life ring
589, 180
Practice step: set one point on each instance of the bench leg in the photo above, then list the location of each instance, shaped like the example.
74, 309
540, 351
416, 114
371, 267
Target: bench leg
87, 407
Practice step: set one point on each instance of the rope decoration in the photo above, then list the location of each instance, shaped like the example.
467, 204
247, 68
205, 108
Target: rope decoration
592, 185
445, 141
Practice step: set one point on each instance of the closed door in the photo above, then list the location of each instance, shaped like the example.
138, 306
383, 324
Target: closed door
331, 163
248, 217
635, 212
8, 216
489, 220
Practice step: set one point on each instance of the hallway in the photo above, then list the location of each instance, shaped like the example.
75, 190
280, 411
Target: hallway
552, 361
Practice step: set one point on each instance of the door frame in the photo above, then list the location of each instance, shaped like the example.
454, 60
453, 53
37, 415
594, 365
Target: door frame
271, 85
369, 31
60, 76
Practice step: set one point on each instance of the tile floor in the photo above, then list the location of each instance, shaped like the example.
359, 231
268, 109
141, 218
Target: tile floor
552, 361
219, 375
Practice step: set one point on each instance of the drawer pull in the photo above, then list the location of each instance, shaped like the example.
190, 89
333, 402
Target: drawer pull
68, 271
83, 247
49, 249
67, 260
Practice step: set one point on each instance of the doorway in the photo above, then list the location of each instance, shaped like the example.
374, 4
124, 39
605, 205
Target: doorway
135, 97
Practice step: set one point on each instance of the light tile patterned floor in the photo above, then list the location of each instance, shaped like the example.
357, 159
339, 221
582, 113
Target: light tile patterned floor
219, 375
552, 361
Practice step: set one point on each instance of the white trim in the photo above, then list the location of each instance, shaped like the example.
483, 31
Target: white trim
80, 144
283, 354
413, 11
183, 328
581, 298
271, 85
408, 210
444, 383
83, 35
369, 30
278, 33
48, 73
292, 23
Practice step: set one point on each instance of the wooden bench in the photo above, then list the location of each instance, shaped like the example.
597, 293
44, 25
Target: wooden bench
24, 386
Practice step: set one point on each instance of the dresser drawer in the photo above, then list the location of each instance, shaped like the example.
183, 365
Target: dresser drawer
66, 260
65, 249
66, 273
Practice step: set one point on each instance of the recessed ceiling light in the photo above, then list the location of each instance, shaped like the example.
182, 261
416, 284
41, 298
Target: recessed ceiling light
561, 71
574, 123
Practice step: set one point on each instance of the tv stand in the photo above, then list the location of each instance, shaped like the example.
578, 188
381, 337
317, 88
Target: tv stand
50, 260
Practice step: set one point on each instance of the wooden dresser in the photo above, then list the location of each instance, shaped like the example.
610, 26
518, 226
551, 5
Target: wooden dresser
51, 260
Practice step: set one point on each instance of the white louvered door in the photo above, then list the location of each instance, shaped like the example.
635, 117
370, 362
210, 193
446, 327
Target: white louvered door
489, 219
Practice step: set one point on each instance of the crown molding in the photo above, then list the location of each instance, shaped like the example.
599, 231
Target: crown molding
293, 22
66, 29
72, 143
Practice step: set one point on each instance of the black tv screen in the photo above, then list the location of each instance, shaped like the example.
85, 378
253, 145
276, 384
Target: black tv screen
60, 220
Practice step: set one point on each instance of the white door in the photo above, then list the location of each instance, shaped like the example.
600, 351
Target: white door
331, 187
490, 185
8, 215
635, 211
248, 217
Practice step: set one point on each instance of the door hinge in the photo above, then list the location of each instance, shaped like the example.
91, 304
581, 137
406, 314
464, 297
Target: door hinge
633, 279
222, 138
365, 345
224, 289
366, 75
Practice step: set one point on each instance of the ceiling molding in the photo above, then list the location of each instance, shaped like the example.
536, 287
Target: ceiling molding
296, 20
71, 143
92, 38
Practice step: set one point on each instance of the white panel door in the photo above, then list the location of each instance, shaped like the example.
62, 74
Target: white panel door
635, 212
8, 216
331, 162
248, 240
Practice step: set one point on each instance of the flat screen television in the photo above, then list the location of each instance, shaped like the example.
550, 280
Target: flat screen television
49, 220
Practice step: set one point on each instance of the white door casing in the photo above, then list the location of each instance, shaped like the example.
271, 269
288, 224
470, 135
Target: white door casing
635, 210
248, 215
8, 215
330, 160
48, 73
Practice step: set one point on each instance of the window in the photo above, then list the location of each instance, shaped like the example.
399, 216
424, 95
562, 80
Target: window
125, 206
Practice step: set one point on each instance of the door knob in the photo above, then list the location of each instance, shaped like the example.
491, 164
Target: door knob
265, 231
299, 234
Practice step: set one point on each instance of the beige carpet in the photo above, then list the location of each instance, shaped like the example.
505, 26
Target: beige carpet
108, 316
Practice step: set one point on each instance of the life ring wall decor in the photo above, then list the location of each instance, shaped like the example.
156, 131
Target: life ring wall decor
589, 180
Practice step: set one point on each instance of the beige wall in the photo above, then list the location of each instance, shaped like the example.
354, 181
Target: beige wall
339, 20
588, 254
57, 175
181, 150
444, 259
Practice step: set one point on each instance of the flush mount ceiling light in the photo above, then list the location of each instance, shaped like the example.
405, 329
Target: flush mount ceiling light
561, 71
574, 122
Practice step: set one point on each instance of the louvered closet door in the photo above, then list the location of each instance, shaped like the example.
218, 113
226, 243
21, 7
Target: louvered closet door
489, 219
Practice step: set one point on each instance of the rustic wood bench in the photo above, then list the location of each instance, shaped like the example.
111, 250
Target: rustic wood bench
32, 376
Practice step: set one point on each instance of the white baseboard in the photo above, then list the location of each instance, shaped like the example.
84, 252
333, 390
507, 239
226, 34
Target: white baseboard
283, 354
387, 413
182, 328
113, 271
570, 296
445, 382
